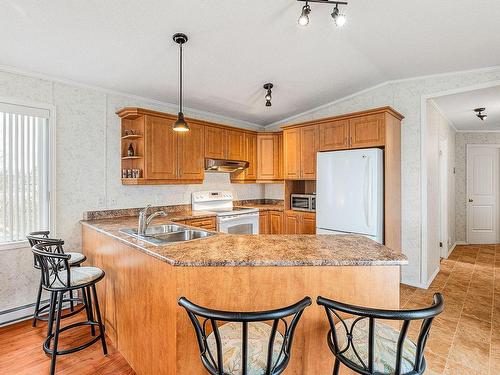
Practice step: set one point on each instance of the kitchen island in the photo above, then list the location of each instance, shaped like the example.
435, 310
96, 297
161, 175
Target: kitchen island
139, 294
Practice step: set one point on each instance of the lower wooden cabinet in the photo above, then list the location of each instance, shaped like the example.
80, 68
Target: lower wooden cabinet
208, 223
296, 222
264, 222
275, 222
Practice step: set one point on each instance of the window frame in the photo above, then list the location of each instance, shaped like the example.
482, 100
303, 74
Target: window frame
52, 163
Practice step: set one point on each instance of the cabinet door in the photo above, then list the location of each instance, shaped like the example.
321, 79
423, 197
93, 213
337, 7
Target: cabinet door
367, 131
215, 142
308, 149
264, 222
205, 223
275, 222
334, 135
292, 222
308, 223
161, 149
190, 152
235, 145
268, 157
251, 156
291, 153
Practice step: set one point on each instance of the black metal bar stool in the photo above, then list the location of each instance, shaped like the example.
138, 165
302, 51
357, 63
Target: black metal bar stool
369, 347
76, 259
234, 343
59, 278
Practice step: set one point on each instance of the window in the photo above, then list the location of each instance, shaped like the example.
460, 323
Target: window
24, 171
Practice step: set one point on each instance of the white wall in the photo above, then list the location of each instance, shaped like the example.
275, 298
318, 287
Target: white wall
406, 97
462, 140
439, 131
88, 167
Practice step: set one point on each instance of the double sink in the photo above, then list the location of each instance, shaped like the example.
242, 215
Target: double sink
159, 235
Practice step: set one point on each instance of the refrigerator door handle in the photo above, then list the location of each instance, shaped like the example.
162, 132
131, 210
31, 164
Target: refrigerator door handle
367, 190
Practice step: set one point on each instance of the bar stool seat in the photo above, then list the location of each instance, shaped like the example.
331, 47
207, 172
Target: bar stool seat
78, 276
258, 341
75, 258
385, 349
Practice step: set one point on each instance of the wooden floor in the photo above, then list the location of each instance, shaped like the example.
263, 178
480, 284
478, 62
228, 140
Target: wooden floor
21, 352
465, 339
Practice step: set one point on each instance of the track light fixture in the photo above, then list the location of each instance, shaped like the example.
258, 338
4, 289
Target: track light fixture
268, 87
480, 114
338, 17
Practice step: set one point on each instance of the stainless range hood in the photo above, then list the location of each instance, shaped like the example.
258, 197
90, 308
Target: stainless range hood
221, 165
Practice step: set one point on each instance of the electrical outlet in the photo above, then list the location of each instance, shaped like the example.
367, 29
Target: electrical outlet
112, 203
158, 199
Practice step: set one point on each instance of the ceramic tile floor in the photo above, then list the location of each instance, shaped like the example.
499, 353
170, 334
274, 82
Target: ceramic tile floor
465, 338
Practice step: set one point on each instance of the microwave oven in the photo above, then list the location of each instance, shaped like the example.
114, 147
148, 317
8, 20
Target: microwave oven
303, 202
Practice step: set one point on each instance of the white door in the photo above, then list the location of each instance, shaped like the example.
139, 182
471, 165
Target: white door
482, 192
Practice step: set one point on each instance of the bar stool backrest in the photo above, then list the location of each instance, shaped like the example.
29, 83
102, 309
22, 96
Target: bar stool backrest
207, 321
53, 263
424, 316
34, 238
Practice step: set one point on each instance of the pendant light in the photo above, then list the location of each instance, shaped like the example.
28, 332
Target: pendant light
180, 125
268, 87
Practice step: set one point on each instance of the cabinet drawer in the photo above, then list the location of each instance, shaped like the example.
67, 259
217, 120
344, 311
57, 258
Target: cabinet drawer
205, 223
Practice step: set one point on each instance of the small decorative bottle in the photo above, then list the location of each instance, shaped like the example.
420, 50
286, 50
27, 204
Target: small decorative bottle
130, 150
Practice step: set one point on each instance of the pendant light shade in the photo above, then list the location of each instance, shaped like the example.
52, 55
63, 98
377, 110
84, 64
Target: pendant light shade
180, 125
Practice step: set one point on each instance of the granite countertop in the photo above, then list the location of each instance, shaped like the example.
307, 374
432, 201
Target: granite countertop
264, 206
254, 250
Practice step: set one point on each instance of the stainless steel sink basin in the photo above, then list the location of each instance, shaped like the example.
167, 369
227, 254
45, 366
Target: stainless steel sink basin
166, 234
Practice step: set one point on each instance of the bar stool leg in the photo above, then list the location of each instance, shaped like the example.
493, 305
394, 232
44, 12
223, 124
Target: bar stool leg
88, 309
336, 367
99, 321
71, 304
37, 304
56, 334
52, 308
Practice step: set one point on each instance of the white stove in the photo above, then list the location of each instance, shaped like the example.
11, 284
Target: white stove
230, 219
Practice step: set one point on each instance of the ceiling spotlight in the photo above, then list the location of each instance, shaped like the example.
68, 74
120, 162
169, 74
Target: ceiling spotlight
480, 114
268, 87
304, 16
339, 18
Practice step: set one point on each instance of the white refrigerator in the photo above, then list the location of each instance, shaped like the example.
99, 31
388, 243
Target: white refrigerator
350, 193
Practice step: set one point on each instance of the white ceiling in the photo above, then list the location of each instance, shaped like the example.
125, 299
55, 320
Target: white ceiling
237, 46
459, 109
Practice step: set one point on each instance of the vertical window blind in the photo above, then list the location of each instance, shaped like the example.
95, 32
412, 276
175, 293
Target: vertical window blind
24, 171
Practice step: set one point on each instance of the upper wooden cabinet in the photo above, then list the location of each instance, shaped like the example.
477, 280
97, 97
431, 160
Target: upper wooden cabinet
357, 132
269, 156
300, 146
215, 142
235, 145
334, 135
367, 131
161, 149
190, 150
251, 156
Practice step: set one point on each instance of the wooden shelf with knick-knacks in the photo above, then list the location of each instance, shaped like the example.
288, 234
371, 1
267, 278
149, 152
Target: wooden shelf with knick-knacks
132, 151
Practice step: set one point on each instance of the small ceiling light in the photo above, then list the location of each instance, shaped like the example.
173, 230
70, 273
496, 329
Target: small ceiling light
180, 125
268, 87
304, 16
480, 114
339, 18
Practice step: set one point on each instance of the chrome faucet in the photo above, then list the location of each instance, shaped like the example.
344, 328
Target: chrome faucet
144, 219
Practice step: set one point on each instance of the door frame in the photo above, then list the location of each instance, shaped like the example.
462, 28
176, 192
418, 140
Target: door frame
497, 197
443, 197
424, 279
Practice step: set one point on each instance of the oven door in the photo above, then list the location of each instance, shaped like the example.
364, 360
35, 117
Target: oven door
240, 224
